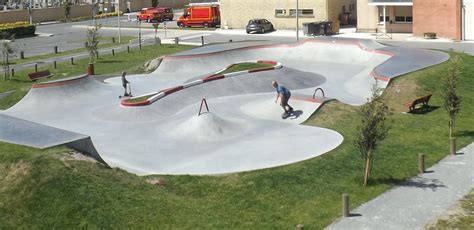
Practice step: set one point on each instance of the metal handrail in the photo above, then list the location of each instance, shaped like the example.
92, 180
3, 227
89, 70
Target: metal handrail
203, 102
316, 90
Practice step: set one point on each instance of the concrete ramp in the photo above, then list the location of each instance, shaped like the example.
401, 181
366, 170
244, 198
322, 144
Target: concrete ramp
243, 130
22, 132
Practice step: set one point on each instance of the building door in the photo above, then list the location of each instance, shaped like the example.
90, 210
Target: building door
469, 19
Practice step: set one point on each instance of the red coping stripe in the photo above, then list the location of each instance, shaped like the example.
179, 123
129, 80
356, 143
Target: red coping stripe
213, 78
261, 69
380, 77
268, 62
308, 99
172, 90
57, 83
340, 42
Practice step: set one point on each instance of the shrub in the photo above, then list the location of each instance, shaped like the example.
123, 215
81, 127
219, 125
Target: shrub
430, 35
105, 15
17, 29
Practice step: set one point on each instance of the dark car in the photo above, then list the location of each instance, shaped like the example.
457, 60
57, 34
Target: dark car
259, 25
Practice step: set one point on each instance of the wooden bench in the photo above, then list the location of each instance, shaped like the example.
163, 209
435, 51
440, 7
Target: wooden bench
35, 76
422, 100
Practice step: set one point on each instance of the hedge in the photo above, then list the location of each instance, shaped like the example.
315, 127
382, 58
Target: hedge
18, 29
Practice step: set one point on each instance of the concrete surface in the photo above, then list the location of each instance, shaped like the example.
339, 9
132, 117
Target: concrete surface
415, 202
243, 131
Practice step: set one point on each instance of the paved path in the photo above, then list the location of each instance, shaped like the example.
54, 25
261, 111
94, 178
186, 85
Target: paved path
417, 201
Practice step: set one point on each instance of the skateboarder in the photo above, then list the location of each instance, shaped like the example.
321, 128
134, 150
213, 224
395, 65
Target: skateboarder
284, 94
124, 84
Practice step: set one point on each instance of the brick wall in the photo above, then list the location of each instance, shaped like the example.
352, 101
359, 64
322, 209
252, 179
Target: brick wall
440, 16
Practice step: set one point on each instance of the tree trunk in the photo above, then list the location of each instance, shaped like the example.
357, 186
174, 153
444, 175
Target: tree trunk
368, 162
450, 128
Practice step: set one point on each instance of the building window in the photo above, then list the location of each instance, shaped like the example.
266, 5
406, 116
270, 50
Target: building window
387, 19
302, 12
307, 12
280, 12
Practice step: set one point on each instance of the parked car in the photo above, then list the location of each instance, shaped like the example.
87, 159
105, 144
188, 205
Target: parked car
259, 26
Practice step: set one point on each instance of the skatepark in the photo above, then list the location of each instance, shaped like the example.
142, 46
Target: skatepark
243, 129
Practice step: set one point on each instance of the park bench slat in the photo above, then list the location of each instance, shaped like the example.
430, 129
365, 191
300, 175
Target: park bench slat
422, 100
40, 74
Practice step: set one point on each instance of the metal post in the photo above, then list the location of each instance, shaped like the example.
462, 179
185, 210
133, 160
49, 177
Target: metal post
140, 34
113, 39
22, 55
202, 40
55, 64
118, 21
13, 72
176, 40
113, 52
128, 49
453, 146
72, 60
55, 49
297, 21
421, 163
36, 67
345, 205
384, 21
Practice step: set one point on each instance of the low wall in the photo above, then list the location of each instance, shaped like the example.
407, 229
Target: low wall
44, 15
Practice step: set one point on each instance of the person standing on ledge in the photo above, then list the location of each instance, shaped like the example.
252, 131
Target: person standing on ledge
124, 84
284, 94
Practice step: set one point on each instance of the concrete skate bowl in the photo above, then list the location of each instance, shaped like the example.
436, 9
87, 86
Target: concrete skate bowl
243, 130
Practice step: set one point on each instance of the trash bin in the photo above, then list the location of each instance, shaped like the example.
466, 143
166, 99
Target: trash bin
306, 28
327, 28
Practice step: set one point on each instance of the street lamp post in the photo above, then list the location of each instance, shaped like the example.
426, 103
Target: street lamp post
118, 21
297, 21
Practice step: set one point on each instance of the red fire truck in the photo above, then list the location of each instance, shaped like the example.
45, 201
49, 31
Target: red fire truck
155, 14
200, 15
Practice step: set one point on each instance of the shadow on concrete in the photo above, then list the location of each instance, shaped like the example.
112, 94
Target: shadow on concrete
296, 114
417, 182
354, 215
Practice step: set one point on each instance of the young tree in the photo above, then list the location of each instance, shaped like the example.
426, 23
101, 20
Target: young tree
452, 102
154, 3
92, 44
67, 9
7, 50
372, 129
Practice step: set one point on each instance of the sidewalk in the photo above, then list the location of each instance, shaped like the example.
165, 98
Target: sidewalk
415, 202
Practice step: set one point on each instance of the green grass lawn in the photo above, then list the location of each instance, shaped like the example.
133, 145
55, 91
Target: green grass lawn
38, 190
245, 66
131, 62
106, 42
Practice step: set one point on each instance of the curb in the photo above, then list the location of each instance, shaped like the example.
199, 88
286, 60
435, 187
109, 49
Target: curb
213, 77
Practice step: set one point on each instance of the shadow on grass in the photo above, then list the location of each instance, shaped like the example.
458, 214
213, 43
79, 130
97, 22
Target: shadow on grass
417, 182
465, 133
423, 110
113, 61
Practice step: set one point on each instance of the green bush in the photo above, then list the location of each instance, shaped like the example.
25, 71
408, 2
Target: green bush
430, 35
18, 29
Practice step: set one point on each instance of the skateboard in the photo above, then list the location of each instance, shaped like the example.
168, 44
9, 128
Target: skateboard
287, 114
